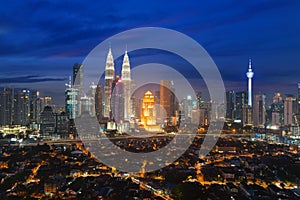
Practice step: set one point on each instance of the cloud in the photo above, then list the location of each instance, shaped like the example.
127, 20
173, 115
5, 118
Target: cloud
48, 37
29, 79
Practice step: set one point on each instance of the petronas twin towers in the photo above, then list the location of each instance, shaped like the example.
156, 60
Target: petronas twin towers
109, 85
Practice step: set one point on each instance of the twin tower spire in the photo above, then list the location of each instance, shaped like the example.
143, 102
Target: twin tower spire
110, 67
109, 79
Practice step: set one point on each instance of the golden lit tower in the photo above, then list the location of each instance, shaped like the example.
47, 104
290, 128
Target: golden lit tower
126, 79
109, 78
148, 111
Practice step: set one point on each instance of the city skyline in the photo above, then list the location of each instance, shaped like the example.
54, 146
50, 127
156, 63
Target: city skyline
254, 30
150, 100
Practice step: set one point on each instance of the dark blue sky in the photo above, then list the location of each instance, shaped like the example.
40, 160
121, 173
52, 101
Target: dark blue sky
41, 40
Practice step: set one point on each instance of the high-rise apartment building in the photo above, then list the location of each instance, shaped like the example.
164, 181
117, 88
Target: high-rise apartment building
230, 104
6, 106
241, 100
34, 107
48, 122
71, 102
98, 102
289, 110
259, 110
167, 99
21, 107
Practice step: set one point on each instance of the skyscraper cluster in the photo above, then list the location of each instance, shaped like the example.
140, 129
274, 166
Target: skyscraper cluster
116, 102
21, 107
242, 107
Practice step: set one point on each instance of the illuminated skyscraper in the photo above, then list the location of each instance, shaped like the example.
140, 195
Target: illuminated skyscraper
21, 107
199, 99
98, 102
250, 75
117, 100
276, 110
47, 122
109, 78
259, 110
230, 104
34, 107
187, 105
86, 106
247, 115
92, 95
289, 109
240, 104
78, 85
126, 79
6, 106
277, 98
148, 110
71, 102
165, 98
78, 73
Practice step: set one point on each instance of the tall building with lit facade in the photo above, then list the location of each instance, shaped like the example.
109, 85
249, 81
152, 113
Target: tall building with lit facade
148, 116
276, 119
21, 108
78, 73
98, 102
247, 118
259, 110
45, 101
6, 106
117, 100
109, 78
187, 105
87, 107
92, 96
34, 107
71, 102
167, 98
199, 99
240, 104
61, 125
230, 104
48, 122
289, 110
126, 79
277, 98
77, 83
276, 110
204, 117
250, 75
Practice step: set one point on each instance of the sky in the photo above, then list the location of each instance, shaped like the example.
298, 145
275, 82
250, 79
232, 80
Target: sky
41, 40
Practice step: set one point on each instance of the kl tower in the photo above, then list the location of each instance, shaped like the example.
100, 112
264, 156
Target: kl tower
250, 75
